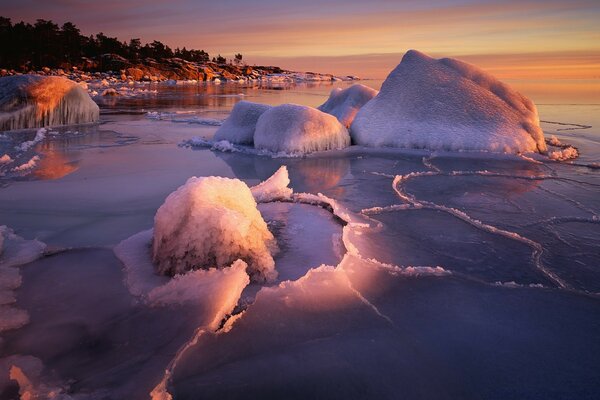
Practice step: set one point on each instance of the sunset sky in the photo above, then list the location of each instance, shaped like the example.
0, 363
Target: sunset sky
513, 39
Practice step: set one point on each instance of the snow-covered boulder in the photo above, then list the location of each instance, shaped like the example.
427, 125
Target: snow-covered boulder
240, 125
345, 103
447, 104
33, 101
293, 128
211, 222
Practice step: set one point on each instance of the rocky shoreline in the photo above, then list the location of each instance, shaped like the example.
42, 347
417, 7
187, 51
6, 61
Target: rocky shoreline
114, 68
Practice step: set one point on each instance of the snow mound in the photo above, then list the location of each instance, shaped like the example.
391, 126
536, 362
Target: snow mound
240, 125
293, 128
33, 101
566, 153
450, 105
211, 222
273, 189
345, 103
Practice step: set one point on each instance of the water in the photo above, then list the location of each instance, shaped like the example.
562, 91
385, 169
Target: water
478, 277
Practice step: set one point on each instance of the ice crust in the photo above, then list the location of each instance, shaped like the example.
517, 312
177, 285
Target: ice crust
449, 105
211, 222
240, 125
33, 101
345, 103
293, 128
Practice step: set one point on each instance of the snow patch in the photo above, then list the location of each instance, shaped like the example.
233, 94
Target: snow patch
273, 189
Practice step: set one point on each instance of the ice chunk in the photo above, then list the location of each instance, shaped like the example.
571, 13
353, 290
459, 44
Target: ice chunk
293, 128
447, 104
566, 153
345, 103
212, 222
240, 125
32, 101
274, 188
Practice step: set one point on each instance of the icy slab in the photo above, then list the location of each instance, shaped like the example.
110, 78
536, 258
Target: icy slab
32, 101
293, 128
448, 104
345, 103
14, 251
273, 189
240, 125
211, 222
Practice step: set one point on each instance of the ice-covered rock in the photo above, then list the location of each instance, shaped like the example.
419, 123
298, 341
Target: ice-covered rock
447, 104
211, 222
240, 125
293, 128
33, 101
345, 103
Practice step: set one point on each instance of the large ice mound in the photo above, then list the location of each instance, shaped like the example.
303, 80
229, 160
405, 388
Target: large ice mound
345, 103
240, 125
211, 222
293, 128
447, 104
33, 101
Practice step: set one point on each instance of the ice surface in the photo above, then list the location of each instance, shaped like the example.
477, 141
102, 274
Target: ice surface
448, 104
293, 128
345, 103
240, 125
211, 222
33, 101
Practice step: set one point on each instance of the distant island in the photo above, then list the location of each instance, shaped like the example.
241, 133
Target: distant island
44, 48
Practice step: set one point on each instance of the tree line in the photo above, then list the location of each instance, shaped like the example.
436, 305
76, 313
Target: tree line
44, 44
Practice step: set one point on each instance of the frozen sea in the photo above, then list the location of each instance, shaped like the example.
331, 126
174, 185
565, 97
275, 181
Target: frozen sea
444, 275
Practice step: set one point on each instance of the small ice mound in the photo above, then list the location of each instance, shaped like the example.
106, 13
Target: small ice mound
564, 154
32, 101
345, 103
211, 222
292, 128
273, 189
449, 105
240, 125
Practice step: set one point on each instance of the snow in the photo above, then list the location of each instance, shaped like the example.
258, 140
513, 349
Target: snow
211, 222
293, 128
449, 105
273, 189
5, 159
33, 101
566, 153
39, 136
28, 165
345, 103
240, 125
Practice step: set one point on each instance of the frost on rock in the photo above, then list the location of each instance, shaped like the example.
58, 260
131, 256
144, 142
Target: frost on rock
345, 103
274, 188
447, 104
32, 101
293, 128
240, 125
211, 222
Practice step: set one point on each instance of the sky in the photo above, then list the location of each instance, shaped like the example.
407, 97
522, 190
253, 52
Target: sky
513, 39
